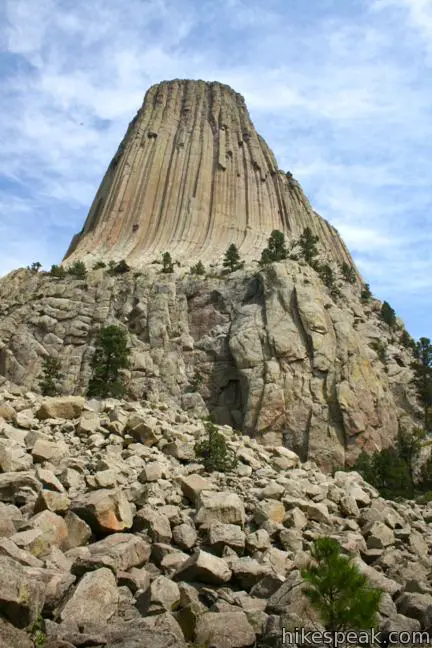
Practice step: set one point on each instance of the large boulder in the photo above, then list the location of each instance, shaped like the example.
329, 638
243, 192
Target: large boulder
104, 510
61, 407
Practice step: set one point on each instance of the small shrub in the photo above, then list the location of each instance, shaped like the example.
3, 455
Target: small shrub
407, 341
388, 315
337, 590
98, 265
77, 270
198, 268
232, 259
38, 632
326, 275
366, 293
380, 348
110, 356
51, 376
167, 263
308, 245
58, 271
118, 268
35, 267
348, 273
214, 451
275, 250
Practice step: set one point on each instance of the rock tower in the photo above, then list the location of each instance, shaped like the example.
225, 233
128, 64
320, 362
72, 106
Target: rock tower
190, 177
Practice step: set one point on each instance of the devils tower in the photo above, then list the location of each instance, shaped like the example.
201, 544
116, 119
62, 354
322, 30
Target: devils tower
192, 176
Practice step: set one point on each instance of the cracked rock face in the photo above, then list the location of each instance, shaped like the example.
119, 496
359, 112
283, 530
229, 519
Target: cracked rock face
271, 353
193, 176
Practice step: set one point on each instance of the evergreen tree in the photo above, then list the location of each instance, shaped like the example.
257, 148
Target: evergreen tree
167, 264
276, 249
425, 479
363, 465
348, 273
366, 293
423, 378
391, 474
119, 268
232, 258
50, 376
215, 451
326, 275
408, 341
58, 271
77, 270
388, 315
408, 447
110, 356
35, 267
338, 591
198, 268
308, 245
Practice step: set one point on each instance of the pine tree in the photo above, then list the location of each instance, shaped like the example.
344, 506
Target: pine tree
388, 315
308, 245
35, 267
232, 258
423, 378
110, 356
326, 275
366, 293
77, 270
215, 451
167, 264
275, 250
348, 273
198, 268
338, 591
58, 271
51, 376
391, 474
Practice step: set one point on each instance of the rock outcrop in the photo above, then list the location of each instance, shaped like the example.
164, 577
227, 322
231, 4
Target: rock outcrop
191, 177
201, 559
272, 353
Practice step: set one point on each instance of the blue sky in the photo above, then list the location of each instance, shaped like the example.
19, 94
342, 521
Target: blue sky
340, 90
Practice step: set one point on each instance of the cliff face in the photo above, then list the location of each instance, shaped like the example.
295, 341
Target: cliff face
190, 177
271, 353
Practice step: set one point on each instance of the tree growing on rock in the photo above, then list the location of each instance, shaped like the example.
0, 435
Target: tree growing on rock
51, 375
167, 263
110, 356
214, 451
337, 590
77, 270
275, 250
198, 268
232, 259
35, 267
423, 378
366, 293
58, 271
308, 246
388, 315
348, 273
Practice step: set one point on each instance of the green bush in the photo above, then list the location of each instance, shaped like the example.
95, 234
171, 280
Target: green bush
275, 250
110, 356
35, 267
58, 271
51, 375
422, 380
348, 273
214, 451
232, 259
337, 590
167, 263
366, 293
388, 315
198, 268
98, 265
118, 268
308, 245
77, 270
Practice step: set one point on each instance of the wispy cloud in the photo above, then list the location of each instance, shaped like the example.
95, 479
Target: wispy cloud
337, 89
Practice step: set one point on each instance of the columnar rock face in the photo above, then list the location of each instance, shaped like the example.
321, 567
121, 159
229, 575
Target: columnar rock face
190, 177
